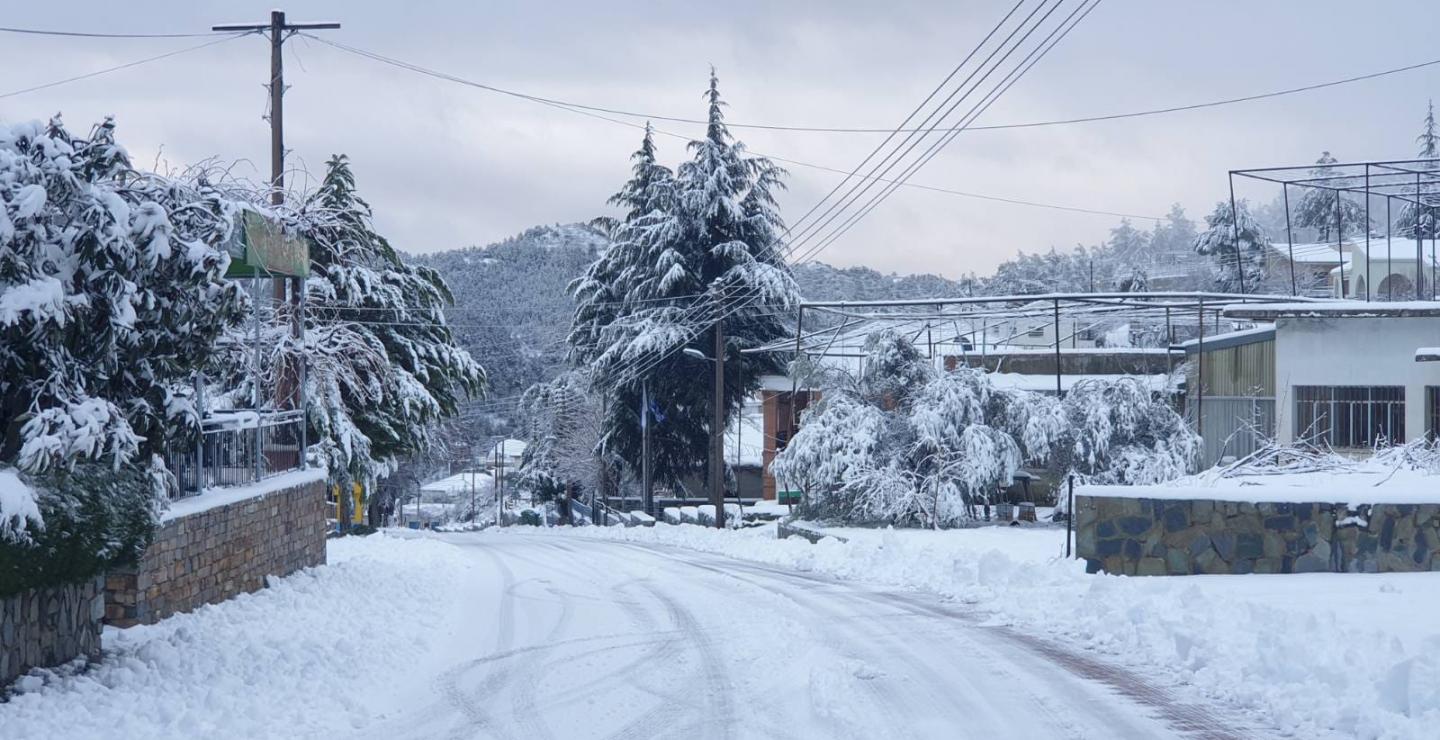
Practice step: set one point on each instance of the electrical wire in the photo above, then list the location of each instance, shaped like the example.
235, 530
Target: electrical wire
93, 35
127, 65
863, 130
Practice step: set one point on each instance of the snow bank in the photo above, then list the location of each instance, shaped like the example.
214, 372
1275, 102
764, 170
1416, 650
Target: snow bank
1318, 655
318, 654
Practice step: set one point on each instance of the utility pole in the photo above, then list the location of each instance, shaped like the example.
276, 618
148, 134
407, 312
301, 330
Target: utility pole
647, 490
717, 429
279, 31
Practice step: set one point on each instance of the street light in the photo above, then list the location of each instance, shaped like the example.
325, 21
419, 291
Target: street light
717, 423
695, 354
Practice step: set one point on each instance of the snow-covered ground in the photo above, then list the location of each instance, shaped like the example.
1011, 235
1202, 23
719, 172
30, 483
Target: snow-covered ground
1316, 655
654, 632
317, 654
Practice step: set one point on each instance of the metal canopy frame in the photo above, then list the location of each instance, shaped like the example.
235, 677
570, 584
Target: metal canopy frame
1415, 182
937, 320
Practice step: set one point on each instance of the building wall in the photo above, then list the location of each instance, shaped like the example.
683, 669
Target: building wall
1134, 536
1354, 352
1238, 409
777, 415
217, 553
45, 627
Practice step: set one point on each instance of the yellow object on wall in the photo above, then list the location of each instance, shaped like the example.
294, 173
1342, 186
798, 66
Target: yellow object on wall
357, 509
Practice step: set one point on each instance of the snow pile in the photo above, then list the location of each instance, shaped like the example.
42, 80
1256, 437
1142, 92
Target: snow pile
18, 510
1402, 474
1317, 655
325, 651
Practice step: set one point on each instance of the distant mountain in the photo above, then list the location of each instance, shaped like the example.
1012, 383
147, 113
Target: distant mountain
821, 282
511, 310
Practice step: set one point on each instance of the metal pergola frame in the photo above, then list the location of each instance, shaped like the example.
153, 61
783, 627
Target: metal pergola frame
1410, 181
860, 318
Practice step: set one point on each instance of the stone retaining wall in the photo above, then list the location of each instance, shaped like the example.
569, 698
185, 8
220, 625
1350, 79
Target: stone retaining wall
213, 554
49, 626
1135, 536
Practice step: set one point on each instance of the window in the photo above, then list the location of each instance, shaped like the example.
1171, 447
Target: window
1037, 332
1349, 416
1432, 411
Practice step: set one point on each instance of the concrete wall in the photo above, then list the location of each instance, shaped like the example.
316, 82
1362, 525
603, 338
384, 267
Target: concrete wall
1354, 351
1133, 536
49, 626
209, 554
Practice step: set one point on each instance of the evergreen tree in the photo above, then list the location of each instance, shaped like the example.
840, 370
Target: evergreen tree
1419, 221
1317, 206
108, 305
383, 367
707, 247
1218, 243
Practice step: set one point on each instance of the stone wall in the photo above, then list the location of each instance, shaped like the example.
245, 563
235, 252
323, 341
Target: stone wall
49, 626
1136, 536
211, 554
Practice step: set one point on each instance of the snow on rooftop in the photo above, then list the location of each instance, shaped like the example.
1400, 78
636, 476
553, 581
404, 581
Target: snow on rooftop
1334, 308
459, 483
1427, 354
509, 448
1258, 333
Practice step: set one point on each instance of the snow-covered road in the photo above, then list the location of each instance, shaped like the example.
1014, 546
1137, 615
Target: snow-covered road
587, 638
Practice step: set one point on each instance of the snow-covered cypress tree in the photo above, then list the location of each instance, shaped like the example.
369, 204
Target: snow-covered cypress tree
715, 253
1316, 208
107, 307
1418, 221
1218, 243
383, 367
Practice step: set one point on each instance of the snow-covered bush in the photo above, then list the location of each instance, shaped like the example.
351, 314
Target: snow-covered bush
111, 295
907, 444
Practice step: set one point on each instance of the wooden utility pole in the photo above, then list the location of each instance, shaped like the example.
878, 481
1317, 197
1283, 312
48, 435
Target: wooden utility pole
717, 429
280, 30
647, 488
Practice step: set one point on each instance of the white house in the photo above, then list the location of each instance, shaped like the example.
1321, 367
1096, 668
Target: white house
1346, 373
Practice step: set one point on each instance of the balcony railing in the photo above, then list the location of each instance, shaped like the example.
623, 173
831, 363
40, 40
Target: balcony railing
238, 447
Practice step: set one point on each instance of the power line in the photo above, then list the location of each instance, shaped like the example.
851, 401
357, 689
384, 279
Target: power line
94, 35
864, 130
589, 112
127, 65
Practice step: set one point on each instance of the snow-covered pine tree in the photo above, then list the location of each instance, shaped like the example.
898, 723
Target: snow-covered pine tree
1414, 220
383, 366
1218, 243
563, 427
715, 254
1316, 208
107, 307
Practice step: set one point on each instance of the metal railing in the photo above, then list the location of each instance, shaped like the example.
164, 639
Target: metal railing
238, 447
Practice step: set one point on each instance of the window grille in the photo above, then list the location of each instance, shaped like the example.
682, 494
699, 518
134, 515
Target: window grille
1349, 416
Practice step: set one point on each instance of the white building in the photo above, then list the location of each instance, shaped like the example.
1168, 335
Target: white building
1345, 373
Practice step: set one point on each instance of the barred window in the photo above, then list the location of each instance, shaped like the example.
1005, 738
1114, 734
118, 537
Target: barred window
1348, 415
1432, 410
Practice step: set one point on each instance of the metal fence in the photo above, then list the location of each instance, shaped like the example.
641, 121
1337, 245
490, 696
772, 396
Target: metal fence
238, 447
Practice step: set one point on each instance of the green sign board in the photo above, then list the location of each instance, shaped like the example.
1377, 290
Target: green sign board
260, 247
787, 497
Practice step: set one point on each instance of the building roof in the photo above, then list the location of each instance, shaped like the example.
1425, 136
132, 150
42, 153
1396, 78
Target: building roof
1326, 253
1045, 383
1427, 354
1229, 339
509, 448
1334, 309
458, 483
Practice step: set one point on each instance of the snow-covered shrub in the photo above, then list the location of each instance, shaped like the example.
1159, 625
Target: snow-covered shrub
1118, 432
907, 444
111, 295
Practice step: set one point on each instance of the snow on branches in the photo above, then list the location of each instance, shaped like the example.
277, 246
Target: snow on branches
111, 295
907, 444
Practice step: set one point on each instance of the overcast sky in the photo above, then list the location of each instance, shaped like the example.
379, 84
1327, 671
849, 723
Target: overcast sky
447, 166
